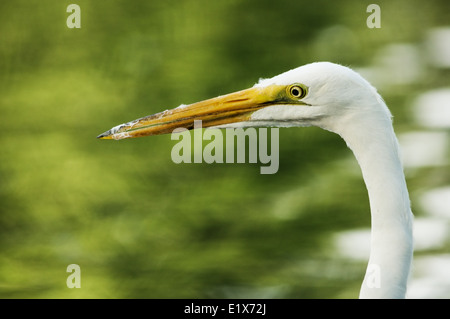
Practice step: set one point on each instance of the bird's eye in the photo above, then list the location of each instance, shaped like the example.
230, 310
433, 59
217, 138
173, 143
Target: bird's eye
297, 91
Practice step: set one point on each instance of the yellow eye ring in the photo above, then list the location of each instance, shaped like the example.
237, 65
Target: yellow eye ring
297, 91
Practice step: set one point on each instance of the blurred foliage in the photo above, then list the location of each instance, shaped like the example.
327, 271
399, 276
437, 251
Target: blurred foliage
139, 225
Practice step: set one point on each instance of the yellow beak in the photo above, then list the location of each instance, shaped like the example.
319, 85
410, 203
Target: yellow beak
226, 109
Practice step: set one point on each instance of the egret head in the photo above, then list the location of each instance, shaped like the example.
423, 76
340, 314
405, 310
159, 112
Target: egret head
321, 94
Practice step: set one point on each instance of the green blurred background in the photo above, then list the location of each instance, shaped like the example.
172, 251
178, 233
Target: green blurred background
141, 226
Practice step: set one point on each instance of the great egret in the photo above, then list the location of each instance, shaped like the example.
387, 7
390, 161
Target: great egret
336, 99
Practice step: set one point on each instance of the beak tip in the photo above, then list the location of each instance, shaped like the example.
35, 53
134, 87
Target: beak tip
104, 136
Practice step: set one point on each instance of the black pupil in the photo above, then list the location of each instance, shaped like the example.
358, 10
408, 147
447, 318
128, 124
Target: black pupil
295, 92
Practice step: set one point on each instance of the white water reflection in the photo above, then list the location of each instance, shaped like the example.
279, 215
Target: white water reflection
395, 64
432, 108
424, 148
431, 277
436, 202
438, 47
